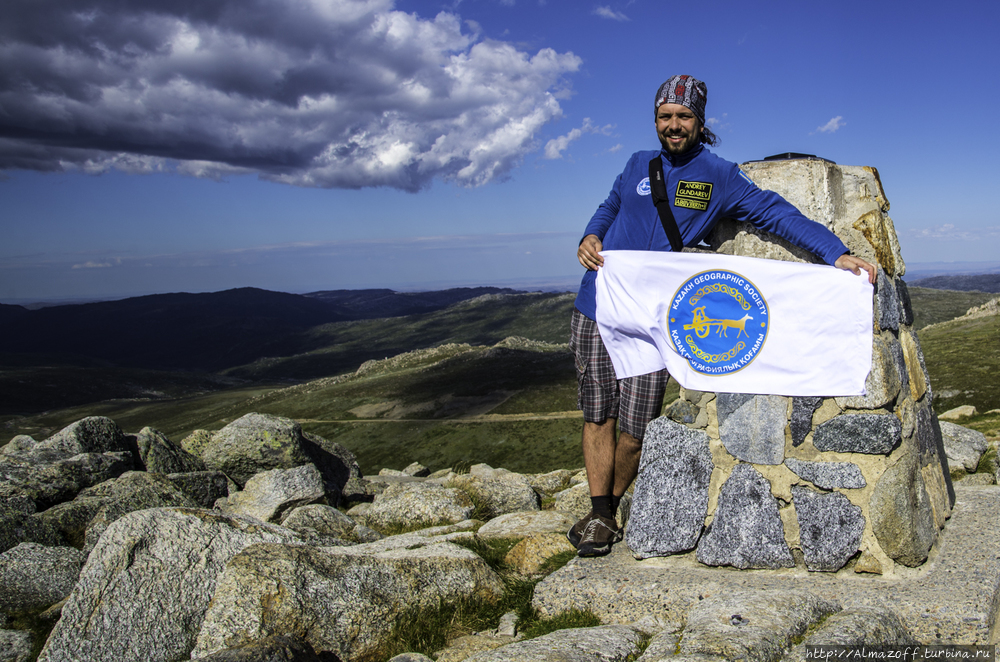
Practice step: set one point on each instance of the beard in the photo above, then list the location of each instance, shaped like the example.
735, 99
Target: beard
683, 141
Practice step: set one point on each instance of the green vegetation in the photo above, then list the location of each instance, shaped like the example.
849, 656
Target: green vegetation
35, 388
460, 398
963, 361
343, 346
574, 618
933, 306
553, 563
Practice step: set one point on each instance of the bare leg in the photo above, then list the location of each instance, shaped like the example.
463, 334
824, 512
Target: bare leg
599, 455
627, 453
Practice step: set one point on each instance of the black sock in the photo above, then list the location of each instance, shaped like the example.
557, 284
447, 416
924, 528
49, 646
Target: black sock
615, 502
602, 506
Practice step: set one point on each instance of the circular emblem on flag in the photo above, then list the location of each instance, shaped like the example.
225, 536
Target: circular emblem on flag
643, 187
718, 321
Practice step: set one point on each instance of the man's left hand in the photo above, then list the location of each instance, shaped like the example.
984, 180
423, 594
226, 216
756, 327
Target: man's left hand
855, 265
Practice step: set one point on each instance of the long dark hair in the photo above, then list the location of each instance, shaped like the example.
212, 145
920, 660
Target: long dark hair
708, 137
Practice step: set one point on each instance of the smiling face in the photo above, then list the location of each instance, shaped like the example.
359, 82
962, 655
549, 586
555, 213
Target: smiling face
677, 127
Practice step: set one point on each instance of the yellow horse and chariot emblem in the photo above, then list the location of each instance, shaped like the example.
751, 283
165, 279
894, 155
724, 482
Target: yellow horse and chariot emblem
702, 324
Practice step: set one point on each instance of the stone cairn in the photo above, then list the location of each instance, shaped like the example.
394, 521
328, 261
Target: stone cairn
760, 481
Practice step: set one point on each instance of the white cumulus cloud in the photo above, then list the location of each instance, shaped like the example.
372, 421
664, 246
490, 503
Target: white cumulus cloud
832, 125
951, 232
555, 147
331, 93
608, 12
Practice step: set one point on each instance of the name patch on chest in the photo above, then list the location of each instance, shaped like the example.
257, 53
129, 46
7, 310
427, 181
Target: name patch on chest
693, 195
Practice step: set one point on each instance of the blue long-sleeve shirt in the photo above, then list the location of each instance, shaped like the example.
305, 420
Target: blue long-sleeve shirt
702, 189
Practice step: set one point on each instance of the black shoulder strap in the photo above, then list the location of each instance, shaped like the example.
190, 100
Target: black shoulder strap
661, 200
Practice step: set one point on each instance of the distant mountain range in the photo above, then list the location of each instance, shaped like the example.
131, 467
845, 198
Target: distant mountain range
372, 304
962, 283
208, 332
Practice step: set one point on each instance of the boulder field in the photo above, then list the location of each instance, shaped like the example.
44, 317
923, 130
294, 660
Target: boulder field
262, 542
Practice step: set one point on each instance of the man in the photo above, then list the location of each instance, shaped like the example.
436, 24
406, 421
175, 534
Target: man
628, 220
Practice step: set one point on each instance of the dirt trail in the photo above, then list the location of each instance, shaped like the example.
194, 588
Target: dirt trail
483, 418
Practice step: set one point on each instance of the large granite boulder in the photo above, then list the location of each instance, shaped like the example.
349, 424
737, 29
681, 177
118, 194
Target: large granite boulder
337, 465
48, 478
255, 443
519, 525
96, 434
499, 493
319, 519
20, 523
758, 625
271, 494
411, 504
529, 556
551, 482
135, 490
16, 645
342, 603
261, 442
144, 590
33, 577
670, 500
160, 455
205, 487
869, 627
963, 446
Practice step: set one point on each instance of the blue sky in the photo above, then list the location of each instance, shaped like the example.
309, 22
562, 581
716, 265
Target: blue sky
298, 145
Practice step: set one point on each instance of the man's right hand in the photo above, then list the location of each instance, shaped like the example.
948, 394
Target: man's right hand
589, 252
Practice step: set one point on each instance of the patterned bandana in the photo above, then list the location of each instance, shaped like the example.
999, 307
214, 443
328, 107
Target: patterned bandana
686, 91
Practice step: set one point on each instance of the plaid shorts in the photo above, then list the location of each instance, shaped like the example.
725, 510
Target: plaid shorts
634, 401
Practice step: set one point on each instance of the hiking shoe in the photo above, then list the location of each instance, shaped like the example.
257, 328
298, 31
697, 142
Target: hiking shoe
576, 532
598, 536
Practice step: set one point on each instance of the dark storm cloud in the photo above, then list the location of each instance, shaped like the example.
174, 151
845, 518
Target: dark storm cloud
329, 93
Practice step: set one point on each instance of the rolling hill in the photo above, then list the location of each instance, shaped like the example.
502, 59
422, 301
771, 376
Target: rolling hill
484, 379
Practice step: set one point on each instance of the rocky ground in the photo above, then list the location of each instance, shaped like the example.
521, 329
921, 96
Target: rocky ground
235, 545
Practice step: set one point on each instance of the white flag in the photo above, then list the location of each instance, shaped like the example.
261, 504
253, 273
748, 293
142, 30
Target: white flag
735, 324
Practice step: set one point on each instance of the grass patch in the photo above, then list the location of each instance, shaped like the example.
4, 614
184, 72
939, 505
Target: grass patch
644, 640
428, 631
493, 551
396, 529
528, 446
931, 306
988, 462
963, 362
482, 509
574, 618
557, 561
988, 424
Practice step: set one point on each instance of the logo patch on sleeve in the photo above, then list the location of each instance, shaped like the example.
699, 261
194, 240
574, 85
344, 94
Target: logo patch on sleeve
693, 195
